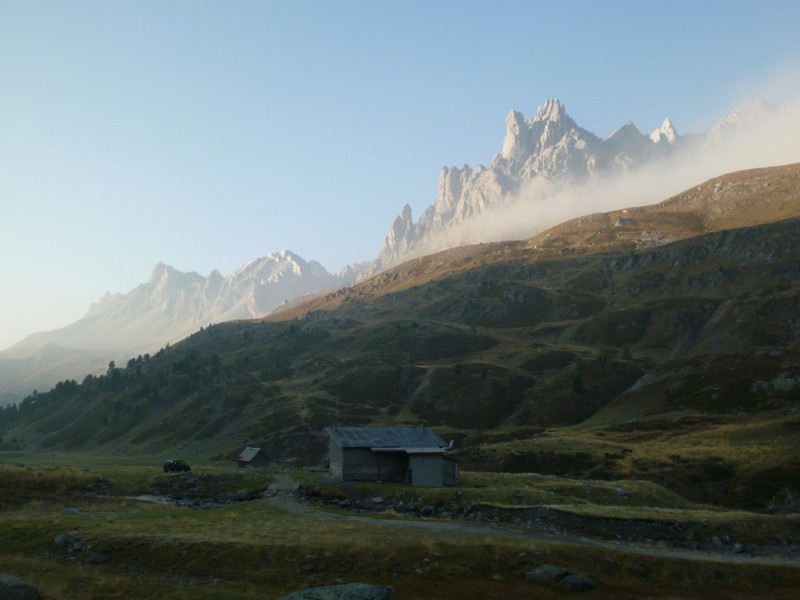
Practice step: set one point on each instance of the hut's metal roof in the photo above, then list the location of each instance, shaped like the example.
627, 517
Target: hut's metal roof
248, 454
418, 438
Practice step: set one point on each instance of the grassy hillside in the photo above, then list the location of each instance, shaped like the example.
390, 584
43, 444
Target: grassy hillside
660, 347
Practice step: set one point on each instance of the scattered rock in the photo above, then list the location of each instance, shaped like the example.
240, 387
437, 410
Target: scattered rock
97, 559
555, 576
347, 591
63, 540
576, 583
14, 588
547, 574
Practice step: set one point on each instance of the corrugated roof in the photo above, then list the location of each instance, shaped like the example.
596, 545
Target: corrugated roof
248, 454
385, 437
408, 450
440, 450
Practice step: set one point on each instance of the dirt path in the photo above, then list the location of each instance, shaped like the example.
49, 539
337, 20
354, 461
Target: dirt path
284, 499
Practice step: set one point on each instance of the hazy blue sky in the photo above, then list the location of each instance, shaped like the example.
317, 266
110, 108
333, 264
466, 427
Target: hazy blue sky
205, 134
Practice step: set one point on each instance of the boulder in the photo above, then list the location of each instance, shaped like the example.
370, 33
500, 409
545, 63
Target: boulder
13, 588
547, 574
65, 539
576, 583
555, 576
347, 591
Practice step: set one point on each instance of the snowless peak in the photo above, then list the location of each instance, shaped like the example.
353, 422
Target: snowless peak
745, 115
516, 132
286, 254
666, 133
628, 129
515, 122
280, 256
402, 223
752, 108
552, 110
159, 271
748, 112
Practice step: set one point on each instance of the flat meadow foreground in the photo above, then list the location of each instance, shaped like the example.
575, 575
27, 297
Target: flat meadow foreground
111, 529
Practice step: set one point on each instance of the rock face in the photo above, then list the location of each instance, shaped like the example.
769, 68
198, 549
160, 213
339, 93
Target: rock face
550, 147
13, 588
538, 155
349, 591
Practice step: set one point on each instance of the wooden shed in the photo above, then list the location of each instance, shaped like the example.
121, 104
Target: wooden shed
251, 457
413, 455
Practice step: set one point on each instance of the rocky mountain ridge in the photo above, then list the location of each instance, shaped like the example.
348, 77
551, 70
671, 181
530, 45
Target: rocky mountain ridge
538, 156
166, 308
736, 200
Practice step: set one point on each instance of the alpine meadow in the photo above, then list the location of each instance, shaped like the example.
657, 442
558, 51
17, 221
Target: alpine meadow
576, 372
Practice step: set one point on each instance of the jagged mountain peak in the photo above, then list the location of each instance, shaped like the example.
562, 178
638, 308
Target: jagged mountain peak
165, 276
552, 110
666, 133
623, 132
285, 254
744, 115
277, 264
526, 138
752, 108
538, 156
159, 271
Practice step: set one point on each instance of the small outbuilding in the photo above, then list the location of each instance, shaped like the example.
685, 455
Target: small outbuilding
251, 457
413, 455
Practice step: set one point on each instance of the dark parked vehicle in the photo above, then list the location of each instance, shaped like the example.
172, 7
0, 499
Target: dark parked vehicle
175, 464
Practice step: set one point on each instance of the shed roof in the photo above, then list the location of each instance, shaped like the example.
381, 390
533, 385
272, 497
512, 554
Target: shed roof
409, 450
385, 437
248, 454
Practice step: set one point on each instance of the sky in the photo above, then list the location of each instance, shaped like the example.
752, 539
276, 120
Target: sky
205, 134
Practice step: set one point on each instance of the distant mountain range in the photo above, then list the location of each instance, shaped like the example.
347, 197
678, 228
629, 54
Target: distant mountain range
548, 150
166, 308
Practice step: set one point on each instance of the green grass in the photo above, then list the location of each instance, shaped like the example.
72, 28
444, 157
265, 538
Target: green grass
257, 550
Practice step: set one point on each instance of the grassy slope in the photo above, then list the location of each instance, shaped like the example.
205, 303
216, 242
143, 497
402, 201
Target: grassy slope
525, 353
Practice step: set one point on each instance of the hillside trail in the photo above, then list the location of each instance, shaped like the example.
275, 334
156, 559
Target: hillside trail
282, 496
